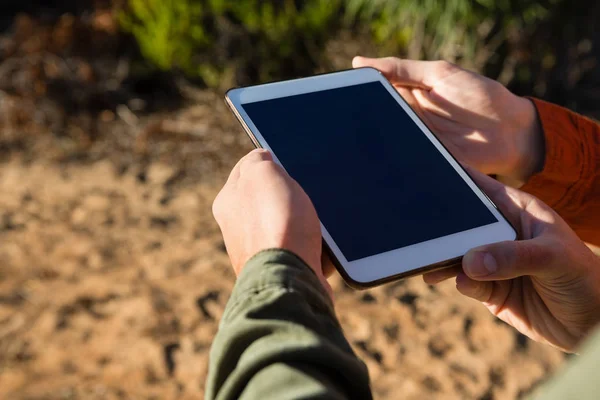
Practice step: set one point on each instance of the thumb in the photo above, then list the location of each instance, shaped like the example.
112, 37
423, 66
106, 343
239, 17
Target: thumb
512, 202
508, 260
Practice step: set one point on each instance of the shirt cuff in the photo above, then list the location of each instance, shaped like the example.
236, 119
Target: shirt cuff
278, 269
567, 155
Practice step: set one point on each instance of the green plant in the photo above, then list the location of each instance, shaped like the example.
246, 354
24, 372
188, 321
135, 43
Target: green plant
287, 38
167, 31
226, 42
464, 31
255, 40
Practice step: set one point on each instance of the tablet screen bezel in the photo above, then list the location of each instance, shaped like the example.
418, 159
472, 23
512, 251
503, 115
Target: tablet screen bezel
397, 263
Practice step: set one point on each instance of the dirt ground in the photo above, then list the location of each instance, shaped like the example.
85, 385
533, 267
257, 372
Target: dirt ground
113, 280
113, 274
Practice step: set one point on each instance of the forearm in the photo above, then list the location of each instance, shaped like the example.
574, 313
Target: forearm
570, 179
279, 338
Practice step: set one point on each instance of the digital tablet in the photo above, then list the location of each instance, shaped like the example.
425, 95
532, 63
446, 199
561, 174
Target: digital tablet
392, 201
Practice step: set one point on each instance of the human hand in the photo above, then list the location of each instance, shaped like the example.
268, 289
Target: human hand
546, 285
481, 122
262, 207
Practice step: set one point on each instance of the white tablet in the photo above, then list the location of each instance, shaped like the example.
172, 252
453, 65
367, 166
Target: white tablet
391, 199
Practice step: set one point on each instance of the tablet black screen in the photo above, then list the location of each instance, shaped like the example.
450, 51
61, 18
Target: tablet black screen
377, 182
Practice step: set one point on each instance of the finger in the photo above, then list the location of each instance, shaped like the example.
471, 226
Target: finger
499, 302
252, 158
426, 102
219, 204
435, 277
327, 265
510, 201
327, 287
448, 132
234, 175
481, 291
408, 96
509, 260
402, 72
494, 295
444, 107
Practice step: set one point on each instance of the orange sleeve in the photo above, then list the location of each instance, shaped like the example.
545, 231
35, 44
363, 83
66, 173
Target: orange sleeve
570, 180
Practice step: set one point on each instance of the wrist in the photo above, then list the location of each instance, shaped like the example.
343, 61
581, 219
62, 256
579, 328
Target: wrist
529, 145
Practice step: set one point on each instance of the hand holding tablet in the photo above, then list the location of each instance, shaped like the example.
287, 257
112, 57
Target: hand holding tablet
391, 200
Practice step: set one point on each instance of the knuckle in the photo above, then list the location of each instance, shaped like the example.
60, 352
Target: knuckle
533, 255
217, 205
531, 202
256, 176
441, 69
482, 291
246, 162
256, 156
264, 169
393, 61
391, 66
444, 66
544, 217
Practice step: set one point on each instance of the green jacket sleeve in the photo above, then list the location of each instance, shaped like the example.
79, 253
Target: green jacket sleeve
279, 338
579, 380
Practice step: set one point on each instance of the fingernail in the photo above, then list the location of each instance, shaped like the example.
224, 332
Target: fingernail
478, 263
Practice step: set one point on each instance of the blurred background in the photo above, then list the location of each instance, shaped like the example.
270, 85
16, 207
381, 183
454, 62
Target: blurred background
114, 140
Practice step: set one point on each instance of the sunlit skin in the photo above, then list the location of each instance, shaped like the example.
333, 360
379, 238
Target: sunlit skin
489, 128
481, 122
262, 207
546, 284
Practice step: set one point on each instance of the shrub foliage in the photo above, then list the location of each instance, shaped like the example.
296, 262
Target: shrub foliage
222, 42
